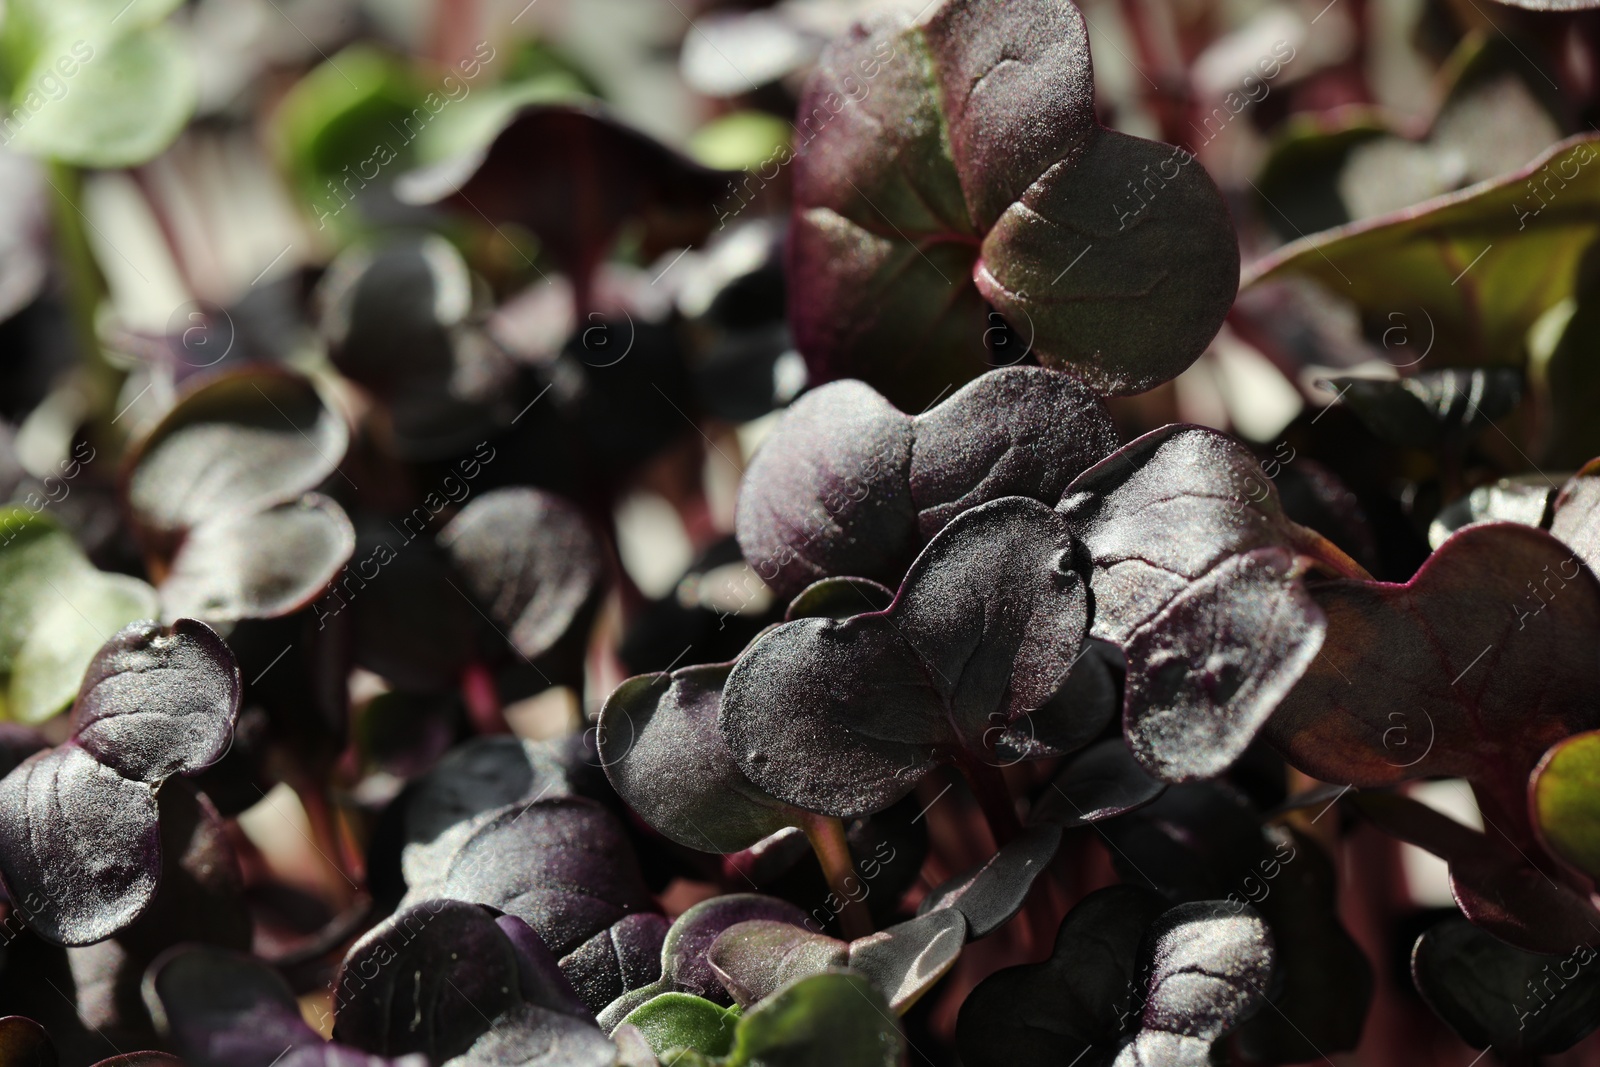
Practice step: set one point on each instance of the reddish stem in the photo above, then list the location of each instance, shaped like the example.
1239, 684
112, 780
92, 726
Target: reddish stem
828, 841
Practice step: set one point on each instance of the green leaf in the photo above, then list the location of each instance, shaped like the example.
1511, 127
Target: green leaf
680, 1020
835, 1019
56, 611
123, 106
472, 123
1565, 797
1485, 262
741, 140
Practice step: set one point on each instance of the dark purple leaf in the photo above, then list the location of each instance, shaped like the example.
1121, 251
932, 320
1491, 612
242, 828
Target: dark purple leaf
1319, 1002
1207, 968
1196, 841
1491, 880
158, 701
843, 718
848, 485
623, 957
235, 445
259, 565
989, 896
957, 160
199, 900
575, 176
1493, 995
1100, 783
563, 866
399, 320
1084, 996
1435, 408
79, 846
662, 750
1470, 670
906, 960
429, 979
24, 1043
530, 559
684, 961
1195, 578
222, 1009
828, 494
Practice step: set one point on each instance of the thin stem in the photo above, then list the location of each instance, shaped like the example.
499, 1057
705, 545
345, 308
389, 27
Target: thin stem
994, 797
1328, 555
826, 835
482, 698
85, 284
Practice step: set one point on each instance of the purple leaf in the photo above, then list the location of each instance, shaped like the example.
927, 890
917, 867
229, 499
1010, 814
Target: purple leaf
848, 485
1102, 782
843, 718
957, 160
1470, 670
661, 748
684, 961
989, 896
158, 701
79, 846
530, 559
222, 1009
429, 979
623, 957
563, 866
1491, 880
1196, 579
754, 958
235, 445
259, 565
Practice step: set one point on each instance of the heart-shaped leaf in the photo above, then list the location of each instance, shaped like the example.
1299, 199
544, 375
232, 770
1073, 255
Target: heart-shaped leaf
1563, 797
957, 161
234, 445
906, 960
259, 565
79, 837
848, 485
158, 701
843, 718
1470, 670
663, 752
1141, 984
562, 865
1491, 994
530, 559
1200, 587
989, 896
